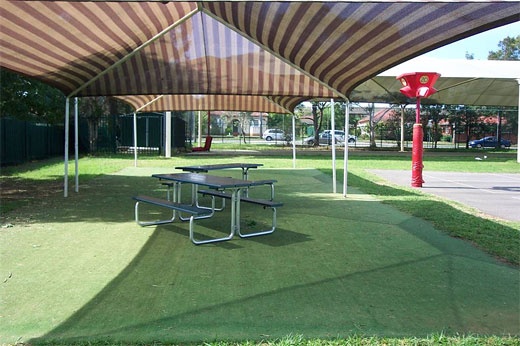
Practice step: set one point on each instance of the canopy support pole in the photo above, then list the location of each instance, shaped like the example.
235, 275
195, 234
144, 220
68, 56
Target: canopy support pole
209, 122
135, 139
76, 146
199, 130
345, 151
518, 133
402, 128
168, 134
66, 158
333, 140
294, 141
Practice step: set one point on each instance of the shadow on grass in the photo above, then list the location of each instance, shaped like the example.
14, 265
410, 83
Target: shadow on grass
335, 267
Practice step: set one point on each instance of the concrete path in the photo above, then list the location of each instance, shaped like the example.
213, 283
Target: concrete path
496, 194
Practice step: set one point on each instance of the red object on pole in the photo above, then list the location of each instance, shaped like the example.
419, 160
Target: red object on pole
418, 84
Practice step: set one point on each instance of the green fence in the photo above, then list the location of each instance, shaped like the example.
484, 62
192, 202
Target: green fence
22, 141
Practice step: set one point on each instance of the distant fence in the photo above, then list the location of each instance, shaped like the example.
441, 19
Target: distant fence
22, 141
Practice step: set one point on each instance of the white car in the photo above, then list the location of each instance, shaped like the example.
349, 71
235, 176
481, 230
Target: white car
325, 138
274, 134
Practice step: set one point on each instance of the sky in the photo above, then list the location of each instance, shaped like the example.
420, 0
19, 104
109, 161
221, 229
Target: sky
479, 45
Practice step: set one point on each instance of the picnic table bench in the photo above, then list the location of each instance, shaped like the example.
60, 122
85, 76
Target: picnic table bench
176, 207
266, 203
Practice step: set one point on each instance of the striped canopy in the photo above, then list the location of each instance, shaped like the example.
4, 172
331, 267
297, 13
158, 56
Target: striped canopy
239, 103
258, 56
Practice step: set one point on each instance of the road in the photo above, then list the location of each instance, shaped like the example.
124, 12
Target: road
496, 194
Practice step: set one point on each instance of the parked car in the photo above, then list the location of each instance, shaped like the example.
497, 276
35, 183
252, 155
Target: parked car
275, 134
325, 138
489, 142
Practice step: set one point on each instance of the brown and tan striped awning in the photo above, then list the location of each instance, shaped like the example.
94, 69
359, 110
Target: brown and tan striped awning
239, 103
284, 52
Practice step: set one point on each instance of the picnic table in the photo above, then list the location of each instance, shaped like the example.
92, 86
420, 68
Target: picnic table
206, 168
224, 187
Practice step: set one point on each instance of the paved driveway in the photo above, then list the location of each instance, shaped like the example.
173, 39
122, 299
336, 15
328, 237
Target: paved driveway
492, 193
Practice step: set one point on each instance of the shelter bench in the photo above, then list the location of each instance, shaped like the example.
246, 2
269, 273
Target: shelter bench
265, 203
176, 207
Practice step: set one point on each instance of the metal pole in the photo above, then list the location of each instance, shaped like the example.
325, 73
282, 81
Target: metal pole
333, 139
199, 133
345, 152
209, 122
66, 159
76, 149
135, 139
168, 134
518, 121
294, 140
402, 127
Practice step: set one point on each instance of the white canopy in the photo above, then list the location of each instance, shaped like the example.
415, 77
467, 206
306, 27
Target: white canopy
468, 82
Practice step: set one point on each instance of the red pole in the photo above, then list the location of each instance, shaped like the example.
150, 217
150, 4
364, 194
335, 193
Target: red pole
417, 148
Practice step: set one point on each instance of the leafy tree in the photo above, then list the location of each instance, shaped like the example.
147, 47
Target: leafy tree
373, 120
466, 120
509, 49
394, 124
244, 118
94, 110
318, 115
434, 114
29, 99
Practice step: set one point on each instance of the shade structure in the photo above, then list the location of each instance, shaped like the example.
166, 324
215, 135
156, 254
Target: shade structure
468, 82
239, 103
284, 50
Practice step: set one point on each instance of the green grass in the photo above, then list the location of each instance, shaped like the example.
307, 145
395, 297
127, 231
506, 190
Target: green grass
299, 340
500, 238
79, 271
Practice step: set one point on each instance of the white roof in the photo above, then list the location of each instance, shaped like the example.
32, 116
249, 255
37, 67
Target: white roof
469, 82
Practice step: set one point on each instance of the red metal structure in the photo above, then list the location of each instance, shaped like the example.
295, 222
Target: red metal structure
418, 85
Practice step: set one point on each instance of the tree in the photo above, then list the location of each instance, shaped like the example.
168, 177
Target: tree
28, 99
93, 109
370, 109
317, 118
435, 114
509, 49
244, 119
466, 120
393, 125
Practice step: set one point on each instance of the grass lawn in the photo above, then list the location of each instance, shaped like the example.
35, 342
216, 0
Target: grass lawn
368, 269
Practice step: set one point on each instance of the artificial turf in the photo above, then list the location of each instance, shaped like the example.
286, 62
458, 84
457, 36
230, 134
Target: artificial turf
80, 269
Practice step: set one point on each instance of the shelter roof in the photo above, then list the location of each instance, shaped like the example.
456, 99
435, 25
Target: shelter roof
469, 82
285, 51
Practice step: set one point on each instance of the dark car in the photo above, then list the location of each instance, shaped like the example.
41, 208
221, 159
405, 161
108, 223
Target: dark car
489, 142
